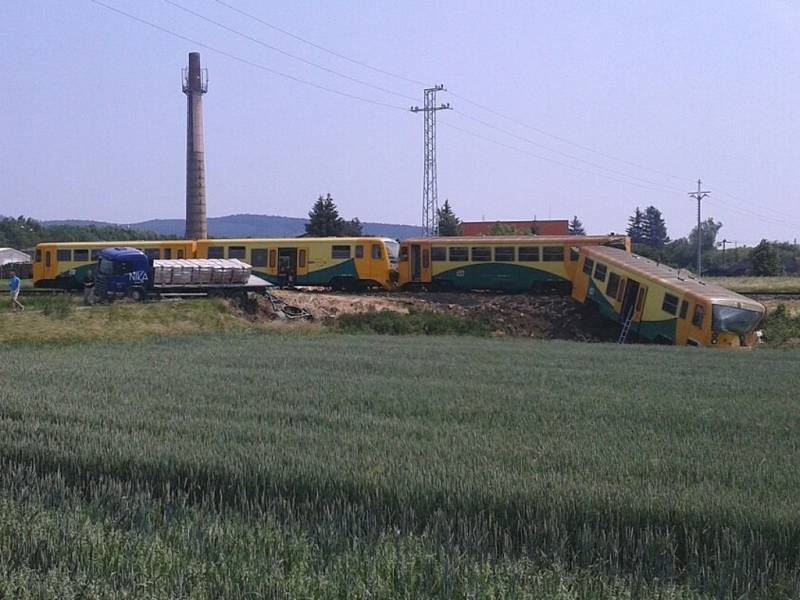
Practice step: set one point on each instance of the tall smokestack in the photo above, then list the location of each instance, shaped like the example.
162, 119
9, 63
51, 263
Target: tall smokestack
195, 84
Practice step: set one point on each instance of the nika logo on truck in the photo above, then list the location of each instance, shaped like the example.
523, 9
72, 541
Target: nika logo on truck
138, 276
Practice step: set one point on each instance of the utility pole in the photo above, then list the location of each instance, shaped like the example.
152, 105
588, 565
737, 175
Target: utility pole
430, 188
699, 195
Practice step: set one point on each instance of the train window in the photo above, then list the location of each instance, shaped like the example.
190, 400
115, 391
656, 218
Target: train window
258, 257
153, 253
670, 304
273, 258
426, 258
588, 265
505, 254
613, 285
167, 253
438, 253
64, 255
47, 259
640, 300
376, 252
481, 254
403, 253
340, 251
600, 272
359, 251
459, 254
553, 254
237, 252
38, 256
699, 313
684, 309
573, 254
301, 259
180, 254
80, 255
216, 252
529, 254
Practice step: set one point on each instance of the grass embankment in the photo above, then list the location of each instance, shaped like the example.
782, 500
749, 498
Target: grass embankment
759, 285
64, 319
374, 466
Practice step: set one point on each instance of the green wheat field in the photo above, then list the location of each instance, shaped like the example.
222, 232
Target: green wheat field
311, 464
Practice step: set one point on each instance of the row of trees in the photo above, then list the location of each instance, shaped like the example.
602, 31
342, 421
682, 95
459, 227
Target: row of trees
24, 233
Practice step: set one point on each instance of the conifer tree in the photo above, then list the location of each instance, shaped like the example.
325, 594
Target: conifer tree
576, 227
449, 223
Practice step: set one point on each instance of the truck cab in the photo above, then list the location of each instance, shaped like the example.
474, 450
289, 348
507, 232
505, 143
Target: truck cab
123, 272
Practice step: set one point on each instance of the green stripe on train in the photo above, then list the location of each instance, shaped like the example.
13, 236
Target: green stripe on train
497, 276
342, 270
647, 329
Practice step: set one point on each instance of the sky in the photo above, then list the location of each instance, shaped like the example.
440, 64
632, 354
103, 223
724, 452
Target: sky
594, 108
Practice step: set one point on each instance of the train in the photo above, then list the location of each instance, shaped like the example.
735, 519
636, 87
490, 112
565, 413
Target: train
648, 299
662, 304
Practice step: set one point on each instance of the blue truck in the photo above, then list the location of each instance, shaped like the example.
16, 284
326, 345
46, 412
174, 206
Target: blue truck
130, 273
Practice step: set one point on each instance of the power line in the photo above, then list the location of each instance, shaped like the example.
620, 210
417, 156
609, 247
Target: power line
323, 48
288, 54
551, 160
563, 139
246, 61
564, 154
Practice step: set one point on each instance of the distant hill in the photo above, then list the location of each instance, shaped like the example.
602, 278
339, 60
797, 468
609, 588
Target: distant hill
249, 226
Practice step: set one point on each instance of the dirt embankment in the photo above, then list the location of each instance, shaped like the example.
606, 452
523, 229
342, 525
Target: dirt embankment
546, 317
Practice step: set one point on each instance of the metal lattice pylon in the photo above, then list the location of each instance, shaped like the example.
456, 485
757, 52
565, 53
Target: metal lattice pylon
430, 189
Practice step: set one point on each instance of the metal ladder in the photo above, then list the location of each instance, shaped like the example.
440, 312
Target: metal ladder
626, 327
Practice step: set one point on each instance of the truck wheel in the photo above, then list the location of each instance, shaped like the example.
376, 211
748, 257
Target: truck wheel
138, 295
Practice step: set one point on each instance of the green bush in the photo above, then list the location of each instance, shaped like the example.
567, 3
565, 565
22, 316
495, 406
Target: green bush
59, 307
781, 328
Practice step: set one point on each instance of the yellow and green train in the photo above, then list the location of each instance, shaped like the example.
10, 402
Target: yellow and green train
502, 263
341, 263
69, 265
662, 304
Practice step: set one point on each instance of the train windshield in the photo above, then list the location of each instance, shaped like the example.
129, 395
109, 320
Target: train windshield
393, 248
735, 320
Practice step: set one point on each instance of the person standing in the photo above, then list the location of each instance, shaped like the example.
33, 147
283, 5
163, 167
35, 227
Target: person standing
13, 286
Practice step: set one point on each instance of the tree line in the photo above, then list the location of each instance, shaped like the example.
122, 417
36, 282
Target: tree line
23, 233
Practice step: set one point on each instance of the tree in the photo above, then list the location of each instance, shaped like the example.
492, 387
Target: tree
654, 230
535, 227
764, 260
449, 223
351, 228
324, 219
709, 229
503, 229
576, 227
636, 227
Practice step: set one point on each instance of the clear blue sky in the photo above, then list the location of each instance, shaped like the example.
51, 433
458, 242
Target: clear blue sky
93, 119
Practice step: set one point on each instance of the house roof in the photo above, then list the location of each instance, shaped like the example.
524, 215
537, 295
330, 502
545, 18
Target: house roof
10, 255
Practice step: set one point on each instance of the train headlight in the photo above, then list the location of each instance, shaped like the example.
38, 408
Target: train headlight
714, 338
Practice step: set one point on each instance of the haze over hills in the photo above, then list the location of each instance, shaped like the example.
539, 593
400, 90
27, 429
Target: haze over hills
249, 226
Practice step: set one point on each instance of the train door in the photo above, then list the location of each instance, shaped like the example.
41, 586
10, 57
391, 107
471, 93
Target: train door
287, 265
416, 262
629, 304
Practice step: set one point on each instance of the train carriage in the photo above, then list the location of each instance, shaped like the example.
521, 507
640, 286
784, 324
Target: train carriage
502, 263
69, 264
662, 304
341, 263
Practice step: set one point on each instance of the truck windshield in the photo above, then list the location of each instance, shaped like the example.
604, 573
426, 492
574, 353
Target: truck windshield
106, 267
735, 320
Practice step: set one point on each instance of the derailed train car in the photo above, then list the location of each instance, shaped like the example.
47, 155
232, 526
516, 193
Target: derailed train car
662, 304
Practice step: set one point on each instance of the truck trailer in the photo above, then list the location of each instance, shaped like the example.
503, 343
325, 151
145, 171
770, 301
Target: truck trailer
129, 273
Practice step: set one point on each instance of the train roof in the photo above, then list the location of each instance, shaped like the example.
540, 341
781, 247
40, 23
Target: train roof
112, 243
297, 241
520, 239
675, 279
